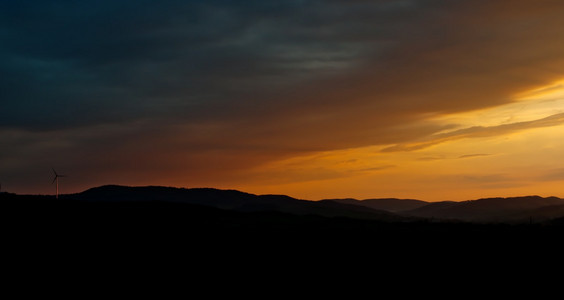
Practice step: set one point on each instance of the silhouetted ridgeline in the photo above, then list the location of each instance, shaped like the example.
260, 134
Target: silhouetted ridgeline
388, 204
197, 226
207, 233
229, 200
504, 210
513, 210
492, 210
163, 206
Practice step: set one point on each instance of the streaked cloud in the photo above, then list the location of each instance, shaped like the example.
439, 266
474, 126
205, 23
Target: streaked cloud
473, 155
553, 175
478, 132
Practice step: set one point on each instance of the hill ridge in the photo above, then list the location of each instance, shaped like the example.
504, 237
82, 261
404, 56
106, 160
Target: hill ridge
492, 209
229, 199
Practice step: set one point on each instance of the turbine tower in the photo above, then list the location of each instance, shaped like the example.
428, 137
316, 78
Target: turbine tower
56, 180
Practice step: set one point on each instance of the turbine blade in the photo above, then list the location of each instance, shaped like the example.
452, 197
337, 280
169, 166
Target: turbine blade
54, 179
55, 172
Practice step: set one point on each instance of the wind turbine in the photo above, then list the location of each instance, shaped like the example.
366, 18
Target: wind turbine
56, 179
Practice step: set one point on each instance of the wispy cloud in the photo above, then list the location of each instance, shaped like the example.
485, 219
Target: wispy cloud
473, 155
478, 132
553, 175
445, 157
377, 168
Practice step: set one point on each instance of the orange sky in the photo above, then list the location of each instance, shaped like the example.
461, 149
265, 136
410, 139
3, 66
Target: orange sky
433, 100
509, 150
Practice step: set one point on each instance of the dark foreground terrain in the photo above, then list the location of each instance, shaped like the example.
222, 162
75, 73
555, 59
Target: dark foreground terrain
183, 224
93, 243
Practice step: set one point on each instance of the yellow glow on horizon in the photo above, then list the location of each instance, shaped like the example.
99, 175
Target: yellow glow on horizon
518, 162
529, 105
555, 89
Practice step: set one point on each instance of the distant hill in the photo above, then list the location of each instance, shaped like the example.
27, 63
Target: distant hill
162, 218
387, 204
140, 224
503, 210
515, 209
429, 210
231, 200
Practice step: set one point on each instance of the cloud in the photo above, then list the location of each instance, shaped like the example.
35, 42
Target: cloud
378, 168
473, 155
101, 61
443, 157
553, 175
213, 87
478, 132
487, 181
106, 61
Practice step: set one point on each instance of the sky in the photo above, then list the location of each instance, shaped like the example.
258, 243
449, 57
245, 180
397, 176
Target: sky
423, 99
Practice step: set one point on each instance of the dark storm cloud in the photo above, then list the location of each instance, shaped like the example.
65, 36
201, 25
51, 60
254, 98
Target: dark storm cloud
69, 63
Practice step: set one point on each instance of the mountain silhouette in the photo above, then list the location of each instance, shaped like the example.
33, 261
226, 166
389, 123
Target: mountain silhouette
205, 220
125, 199
514, 209
387, 204
207, 226
231, 200
502, 210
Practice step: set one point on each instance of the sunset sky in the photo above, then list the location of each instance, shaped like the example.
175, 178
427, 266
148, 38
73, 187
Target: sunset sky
425, 99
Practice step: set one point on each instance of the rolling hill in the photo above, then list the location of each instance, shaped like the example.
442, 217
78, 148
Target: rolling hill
515, 209
387, 204
202, 225
231, 200
502, 210
491, 210
107, 218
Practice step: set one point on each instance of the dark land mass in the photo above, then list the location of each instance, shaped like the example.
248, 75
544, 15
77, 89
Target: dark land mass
152, 228
512, 210
494, 210
229, 200
163, 211
387, 204
491, 210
